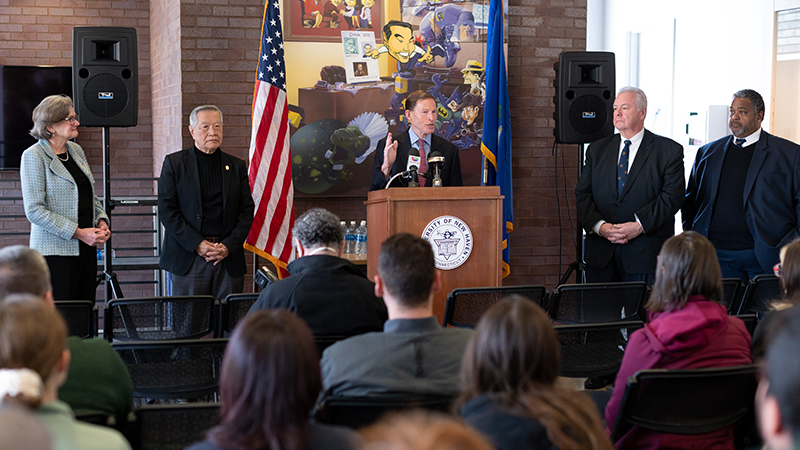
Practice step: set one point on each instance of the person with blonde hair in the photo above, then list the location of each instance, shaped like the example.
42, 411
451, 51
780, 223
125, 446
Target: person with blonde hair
688, 328
34, 361
508, 379
788, 270
67, 219
421, 430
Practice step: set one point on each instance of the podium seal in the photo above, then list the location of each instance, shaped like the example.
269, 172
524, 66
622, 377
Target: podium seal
451, 240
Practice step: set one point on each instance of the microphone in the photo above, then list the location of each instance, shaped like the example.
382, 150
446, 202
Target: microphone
412, 166
435, 164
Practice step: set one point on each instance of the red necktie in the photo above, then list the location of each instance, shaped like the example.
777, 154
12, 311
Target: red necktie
423, 162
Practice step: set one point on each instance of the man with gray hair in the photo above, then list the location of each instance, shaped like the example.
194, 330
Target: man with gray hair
631, 186
97, 379
331, 294
743, 192
205, 206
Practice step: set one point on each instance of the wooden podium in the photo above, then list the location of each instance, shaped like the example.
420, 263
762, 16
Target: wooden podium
410, 210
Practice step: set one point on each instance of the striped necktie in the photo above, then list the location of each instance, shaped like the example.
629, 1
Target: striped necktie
740, 142
423, 162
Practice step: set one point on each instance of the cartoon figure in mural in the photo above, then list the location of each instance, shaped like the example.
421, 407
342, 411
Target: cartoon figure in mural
322, 150
443, 28
447, 108
474, 76
469, 132
398, 42
365, 17
312, 17
351, 13
331, 15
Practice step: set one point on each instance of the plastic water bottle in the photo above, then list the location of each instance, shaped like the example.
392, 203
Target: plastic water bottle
350, 239
361, 239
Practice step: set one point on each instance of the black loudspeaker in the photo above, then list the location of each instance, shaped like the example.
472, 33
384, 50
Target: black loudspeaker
105, 81
584, 97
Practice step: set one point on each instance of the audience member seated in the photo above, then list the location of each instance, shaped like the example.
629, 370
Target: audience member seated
688, 329
331, 294
414, 354
789, 272
98, 379
34, 362
269, 382
508, 384
19, 429
778, 394
419, 430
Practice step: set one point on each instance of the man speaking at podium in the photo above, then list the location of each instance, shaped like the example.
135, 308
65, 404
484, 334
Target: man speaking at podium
394, 159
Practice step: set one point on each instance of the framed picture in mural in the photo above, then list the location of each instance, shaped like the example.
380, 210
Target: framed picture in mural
324, 20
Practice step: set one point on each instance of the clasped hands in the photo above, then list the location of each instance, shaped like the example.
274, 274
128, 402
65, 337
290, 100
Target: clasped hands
212, 252
94, 237
620, 233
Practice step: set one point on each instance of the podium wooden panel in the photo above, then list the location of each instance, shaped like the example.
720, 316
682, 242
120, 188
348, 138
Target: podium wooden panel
409, 210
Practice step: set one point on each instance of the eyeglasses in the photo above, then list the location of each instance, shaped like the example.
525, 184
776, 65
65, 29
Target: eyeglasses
72, 120
777, 269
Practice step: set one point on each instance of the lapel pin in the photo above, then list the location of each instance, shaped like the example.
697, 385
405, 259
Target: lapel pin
227, 167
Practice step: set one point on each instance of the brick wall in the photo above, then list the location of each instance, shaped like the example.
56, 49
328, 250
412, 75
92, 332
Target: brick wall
39, 32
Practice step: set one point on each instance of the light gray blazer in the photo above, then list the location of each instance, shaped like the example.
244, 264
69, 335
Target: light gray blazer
50, 197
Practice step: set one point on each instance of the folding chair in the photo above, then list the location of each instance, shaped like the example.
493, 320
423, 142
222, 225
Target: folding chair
759, 292
160, 318
177, 369
357, 412
732, 291
81, 317
750, 322
324, 342
686, 401
171, 427
594, 350
465, 306
233, 309
598, 302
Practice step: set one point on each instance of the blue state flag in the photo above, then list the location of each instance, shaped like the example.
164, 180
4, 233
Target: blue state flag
496, 145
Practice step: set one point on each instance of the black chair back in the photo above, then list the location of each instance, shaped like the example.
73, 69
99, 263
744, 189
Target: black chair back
759, 292
594, 350
81, 317
598, 302
465, 306
233, 309
178, 369
358, 412
750, 322
732, 291
686, 401
172, 427
324, 342
160, 318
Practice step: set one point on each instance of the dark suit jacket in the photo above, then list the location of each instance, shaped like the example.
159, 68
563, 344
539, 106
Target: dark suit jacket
654, 192
771, 193
180, 210
451, 172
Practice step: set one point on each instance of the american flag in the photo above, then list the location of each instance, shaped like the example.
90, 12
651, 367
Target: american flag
270, 157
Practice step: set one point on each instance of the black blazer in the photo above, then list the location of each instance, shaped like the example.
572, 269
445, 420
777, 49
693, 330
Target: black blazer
180, 210
451, 172
771, 193
654, 192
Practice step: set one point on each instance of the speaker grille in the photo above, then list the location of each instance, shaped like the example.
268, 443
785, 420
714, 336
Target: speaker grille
105, 95
588, 114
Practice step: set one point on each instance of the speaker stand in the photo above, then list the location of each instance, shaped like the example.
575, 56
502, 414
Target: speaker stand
577, 265
108, 276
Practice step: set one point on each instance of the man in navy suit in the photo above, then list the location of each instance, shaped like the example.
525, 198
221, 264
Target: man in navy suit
744, 192
205, 206
629, 191
421, 115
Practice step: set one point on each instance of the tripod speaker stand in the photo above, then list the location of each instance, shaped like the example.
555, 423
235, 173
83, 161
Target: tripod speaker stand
105, 90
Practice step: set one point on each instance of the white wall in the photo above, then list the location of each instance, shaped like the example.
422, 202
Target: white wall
720, 46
